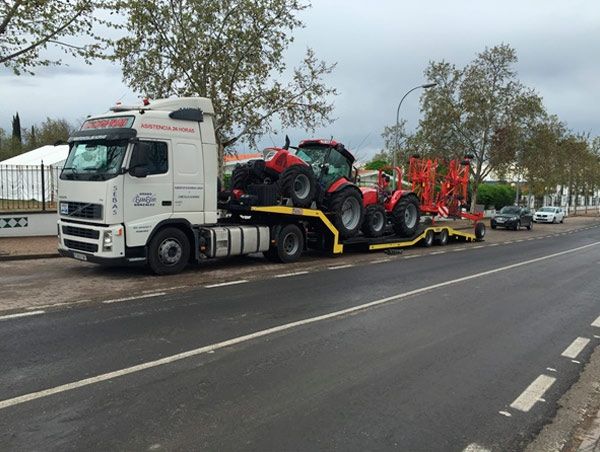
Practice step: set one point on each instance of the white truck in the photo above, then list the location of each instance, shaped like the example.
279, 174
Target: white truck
140, 185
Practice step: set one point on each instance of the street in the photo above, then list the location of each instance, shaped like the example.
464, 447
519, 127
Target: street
468, 349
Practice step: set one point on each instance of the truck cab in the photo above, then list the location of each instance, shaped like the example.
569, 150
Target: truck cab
134, 171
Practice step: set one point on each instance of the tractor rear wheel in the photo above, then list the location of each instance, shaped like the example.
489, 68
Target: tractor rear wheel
298, 183
406, 216
375, 220
347, 207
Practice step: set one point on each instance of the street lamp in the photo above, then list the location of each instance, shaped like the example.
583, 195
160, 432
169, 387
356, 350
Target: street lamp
425, 86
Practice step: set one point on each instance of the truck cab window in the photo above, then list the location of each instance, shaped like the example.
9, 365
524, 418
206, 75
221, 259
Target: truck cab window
152, 155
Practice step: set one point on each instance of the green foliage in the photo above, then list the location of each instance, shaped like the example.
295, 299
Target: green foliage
379, 160
481, 109
27, 28
47, 133
231, 51
496, 195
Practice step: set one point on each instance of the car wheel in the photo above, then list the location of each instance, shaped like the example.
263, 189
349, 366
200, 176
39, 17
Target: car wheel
517, 226
530, 226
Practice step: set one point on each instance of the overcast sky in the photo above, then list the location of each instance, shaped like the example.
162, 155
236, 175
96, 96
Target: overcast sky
382, 48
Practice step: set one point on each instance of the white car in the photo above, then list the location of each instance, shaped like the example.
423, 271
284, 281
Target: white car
549, 215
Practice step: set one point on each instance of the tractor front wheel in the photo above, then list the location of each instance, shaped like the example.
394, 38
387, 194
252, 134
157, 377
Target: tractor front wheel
299, 184
347, 207
406, 216
375, 220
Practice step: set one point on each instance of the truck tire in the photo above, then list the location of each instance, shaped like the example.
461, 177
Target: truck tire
299, 184
428, 239
375, 221
168, 251
348, 212
406, 216
289, 244
442, 238
480, 231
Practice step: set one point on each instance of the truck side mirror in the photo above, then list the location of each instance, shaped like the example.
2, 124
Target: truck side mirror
139, 171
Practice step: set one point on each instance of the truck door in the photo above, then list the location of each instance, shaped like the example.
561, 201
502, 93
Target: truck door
148, 190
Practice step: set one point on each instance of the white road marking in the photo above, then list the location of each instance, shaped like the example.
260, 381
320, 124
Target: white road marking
551, 369
596, 336
285, 275
505, 413
228, 283
478, 246
270, 331
164, 289
575, 361
412, 256
493, 244
533, 393
381, 261
596, 322
337, 267
575, 348
474, 447
520, 240
437, 252
137, 297
21, 314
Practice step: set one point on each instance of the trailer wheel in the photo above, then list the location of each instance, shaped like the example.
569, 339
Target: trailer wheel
347, 207
298, 183
480, 231
406, 216
168, 251
289, 245
428, 239
375, 220
442, 238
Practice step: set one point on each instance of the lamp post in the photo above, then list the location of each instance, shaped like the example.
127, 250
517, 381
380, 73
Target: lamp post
425, 86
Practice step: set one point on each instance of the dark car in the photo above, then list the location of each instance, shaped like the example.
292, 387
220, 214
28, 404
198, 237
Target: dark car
512, 217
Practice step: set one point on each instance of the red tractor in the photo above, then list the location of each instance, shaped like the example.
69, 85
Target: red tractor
398, 205
317, 171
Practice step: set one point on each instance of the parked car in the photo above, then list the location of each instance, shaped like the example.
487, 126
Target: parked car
512, 217
549, 215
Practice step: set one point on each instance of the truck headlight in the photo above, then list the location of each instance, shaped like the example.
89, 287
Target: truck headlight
107, 240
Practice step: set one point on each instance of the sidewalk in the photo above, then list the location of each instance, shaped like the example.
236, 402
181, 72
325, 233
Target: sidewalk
591, 437
16, 248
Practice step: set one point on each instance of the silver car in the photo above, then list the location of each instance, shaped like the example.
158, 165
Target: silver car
549, 215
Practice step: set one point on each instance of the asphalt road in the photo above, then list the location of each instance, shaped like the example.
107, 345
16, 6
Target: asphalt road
457, 350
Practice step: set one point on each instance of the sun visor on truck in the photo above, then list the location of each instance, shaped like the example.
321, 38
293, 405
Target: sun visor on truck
103, 134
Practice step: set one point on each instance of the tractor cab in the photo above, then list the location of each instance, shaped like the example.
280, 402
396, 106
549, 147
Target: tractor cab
329, 160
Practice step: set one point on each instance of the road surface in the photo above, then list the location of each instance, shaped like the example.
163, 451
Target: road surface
460, 350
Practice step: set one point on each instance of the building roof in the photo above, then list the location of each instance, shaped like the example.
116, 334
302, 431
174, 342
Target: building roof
49, 155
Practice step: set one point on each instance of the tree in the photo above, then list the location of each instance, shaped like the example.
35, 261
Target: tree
496, 195
379, 160
16, 129
52, 130
480, 109
231, 51
27, 28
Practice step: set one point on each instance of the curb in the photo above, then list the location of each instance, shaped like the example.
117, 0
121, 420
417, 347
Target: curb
25, 257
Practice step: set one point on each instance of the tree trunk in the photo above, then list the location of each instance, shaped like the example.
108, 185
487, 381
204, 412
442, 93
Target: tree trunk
221, 160
475, 186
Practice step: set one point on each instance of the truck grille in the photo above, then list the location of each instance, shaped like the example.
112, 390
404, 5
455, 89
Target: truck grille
81, 246
81, 232
82, 210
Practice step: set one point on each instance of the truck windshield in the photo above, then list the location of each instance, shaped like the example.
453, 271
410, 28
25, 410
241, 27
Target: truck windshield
94, 160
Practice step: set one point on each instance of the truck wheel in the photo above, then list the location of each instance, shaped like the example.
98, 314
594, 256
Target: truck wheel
347, 207
298, 183
480, 231
428, 239
375, 220
169, 251
442, 238
406, 216
289, 245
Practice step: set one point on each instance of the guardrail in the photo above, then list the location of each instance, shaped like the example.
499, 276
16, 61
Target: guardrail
28, 187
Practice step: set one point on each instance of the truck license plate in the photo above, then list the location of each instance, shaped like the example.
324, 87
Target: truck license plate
81, 257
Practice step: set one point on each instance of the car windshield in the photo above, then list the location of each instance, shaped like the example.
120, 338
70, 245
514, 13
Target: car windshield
510, 210
315, 155
548, 209
94, 160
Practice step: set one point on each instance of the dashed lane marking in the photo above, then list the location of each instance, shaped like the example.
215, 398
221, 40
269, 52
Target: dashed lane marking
21, 314
285, 275
525, 400
533, 393
338, 267
228, 283
137, 297
596, 322
505, 413
575, 348
551, 369
474, 447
